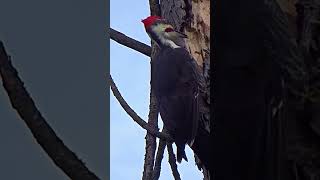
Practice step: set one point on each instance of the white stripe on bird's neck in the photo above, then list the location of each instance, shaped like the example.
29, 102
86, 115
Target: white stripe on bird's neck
168, 42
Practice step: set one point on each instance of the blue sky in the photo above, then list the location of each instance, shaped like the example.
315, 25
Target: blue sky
131, 72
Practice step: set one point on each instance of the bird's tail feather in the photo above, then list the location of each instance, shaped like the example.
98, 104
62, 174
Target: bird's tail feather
181, 154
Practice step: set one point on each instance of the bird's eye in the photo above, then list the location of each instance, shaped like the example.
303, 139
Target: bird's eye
168, 29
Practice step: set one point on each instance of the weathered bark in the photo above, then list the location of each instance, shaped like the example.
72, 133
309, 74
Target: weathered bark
304, 126
172, 162
288, 6
192, 18
159, 157
151, 143
256, 65
291, 41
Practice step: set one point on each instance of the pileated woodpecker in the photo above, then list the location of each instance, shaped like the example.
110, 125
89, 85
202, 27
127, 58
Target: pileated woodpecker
175, 82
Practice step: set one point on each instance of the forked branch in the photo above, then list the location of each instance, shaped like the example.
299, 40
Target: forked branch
133, 114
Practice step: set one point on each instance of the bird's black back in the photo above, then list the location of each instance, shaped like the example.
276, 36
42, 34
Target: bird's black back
175, 83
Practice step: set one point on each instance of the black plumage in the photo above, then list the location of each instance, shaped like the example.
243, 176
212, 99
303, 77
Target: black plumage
175, 81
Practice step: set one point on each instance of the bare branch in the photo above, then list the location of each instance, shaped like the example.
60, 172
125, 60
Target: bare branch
153, 114
172, 162
129, 42
159, 157
151, 143
20, 99
134, 115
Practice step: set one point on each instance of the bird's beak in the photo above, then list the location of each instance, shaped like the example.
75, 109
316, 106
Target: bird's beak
181, 35
177, 37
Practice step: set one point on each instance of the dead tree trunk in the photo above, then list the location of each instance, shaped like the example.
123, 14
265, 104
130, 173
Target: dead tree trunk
304, 134
266, 42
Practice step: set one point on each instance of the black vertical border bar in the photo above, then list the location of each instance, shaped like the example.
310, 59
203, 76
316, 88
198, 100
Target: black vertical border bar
212, 57
107, 90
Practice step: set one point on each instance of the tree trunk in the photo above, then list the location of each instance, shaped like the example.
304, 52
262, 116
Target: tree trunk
286, 38
304, 126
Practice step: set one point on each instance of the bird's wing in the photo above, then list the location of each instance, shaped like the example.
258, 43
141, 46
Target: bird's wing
178, 89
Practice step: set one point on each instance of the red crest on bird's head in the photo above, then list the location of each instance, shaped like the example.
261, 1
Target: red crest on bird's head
150, 20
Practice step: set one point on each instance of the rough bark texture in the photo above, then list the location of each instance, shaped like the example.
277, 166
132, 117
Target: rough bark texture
172, 162
193, 18
288, 6
291, 40
258, 36
159, 157
304, 134
151, 143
